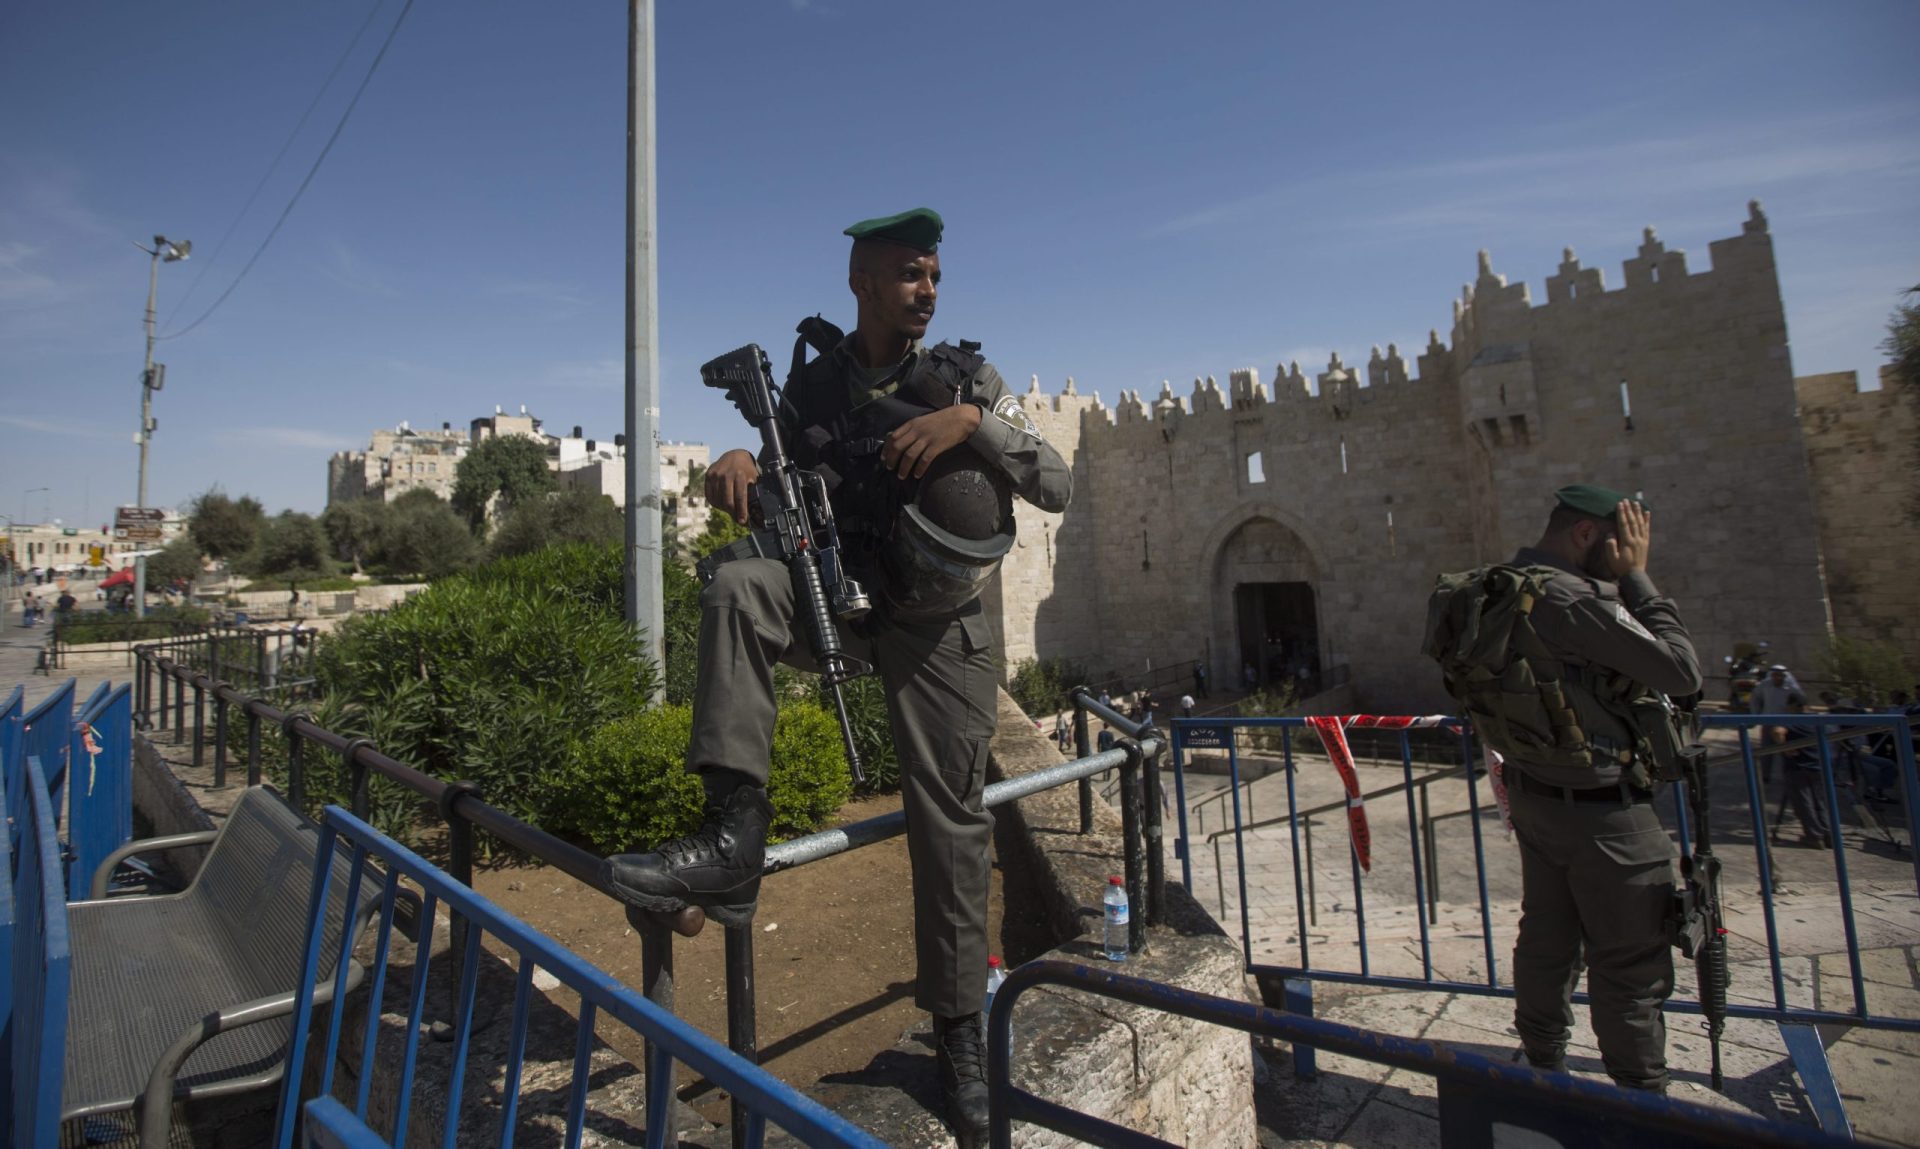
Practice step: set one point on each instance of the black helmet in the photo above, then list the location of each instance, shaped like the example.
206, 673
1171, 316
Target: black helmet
950, 538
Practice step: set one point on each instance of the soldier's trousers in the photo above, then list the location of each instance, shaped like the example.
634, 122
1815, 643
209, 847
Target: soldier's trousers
941, 687
1597, 883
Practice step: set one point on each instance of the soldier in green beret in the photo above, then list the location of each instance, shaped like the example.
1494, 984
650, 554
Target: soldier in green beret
923, 449
1596, 864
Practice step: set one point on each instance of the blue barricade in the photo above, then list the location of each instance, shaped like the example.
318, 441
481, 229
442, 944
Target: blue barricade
100, 793
46, 734
41, 969
670, 1038
12, 786
1482, 1101
1742, 825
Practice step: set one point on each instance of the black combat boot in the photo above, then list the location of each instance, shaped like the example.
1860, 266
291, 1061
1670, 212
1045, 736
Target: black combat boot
961, 1043
717, 867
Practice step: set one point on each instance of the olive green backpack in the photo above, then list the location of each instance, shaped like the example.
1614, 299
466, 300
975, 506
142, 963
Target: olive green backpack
1515, 692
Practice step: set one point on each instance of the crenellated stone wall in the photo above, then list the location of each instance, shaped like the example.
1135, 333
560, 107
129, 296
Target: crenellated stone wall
1864, 451
1365, 482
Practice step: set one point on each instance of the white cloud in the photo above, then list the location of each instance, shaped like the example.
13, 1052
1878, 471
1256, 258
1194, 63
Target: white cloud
584, 374
1553, 185
305, 438
348, 269
56, 427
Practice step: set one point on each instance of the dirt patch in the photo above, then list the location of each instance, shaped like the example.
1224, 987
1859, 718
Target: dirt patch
833, 954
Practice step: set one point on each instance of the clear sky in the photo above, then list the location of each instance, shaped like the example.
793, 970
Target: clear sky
1133, 192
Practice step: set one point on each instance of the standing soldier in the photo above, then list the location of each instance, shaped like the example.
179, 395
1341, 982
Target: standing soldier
1596, 864
923, 448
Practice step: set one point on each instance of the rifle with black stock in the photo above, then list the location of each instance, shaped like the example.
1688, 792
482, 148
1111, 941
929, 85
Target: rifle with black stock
1699, 922
795, 526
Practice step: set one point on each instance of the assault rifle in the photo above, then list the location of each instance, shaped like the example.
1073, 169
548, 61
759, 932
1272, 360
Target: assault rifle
1698, 922
796, 527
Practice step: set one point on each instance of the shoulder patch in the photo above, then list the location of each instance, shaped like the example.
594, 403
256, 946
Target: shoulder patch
1631, 623
1009, 411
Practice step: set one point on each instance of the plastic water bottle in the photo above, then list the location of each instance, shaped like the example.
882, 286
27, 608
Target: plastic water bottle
1115, 942
996, 977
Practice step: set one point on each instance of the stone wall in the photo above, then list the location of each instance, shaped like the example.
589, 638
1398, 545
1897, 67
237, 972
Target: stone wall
1863, 449
1366, 482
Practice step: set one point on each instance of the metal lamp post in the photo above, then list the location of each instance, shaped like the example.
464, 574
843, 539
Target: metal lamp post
153, 376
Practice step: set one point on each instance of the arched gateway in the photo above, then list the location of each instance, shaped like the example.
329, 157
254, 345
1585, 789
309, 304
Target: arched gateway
1265, 578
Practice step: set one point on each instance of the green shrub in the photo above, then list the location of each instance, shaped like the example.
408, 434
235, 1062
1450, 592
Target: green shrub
627, 786
593, 576
809, 781
1868, 670
94, 626
872, 734
489, 679
392, 808
1273, 703
1041, 685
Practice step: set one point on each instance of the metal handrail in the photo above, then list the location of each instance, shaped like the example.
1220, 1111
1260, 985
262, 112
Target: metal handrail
668, 1038
1138, 757
1474, 1088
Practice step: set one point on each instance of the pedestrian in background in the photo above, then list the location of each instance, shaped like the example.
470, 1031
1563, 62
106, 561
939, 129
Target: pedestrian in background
1806, 789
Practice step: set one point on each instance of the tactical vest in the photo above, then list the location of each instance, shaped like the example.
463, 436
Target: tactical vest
1533, 707
842, 442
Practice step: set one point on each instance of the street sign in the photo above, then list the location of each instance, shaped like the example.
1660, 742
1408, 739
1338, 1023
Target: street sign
139, 533
127, 516
1204, 737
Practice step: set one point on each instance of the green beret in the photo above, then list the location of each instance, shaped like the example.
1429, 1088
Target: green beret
919, 229
1595, 500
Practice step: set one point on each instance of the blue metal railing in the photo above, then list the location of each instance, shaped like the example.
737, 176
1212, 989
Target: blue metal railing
669, 1038
13, 772
13, 760
47, 732
100, 793
1475, 1091
1818, 733
41, 970
1218, 733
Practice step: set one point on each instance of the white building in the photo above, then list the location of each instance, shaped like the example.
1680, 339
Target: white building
403, 459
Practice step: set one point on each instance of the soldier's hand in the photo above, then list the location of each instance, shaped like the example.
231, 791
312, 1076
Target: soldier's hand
913, 446
730, 482
1633, 535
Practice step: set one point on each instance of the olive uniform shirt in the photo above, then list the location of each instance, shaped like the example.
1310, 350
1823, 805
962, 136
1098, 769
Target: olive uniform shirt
1626, 628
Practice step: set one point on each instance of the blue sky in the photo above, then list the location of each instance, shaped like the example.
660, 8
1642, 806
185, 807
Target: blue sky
1134, 192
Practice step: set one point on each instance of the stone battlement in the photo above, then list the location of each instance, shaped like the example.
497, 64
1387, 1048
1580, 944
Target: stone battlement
1303, 521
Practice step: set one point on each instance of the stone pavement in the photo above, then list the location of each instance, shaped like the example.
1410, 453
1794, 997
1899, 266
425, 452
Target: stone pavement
20, 648
1356, 1103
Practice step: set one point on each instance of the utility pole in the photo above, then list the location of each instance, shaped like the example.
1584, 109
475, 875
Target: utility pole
644, 608
150, 380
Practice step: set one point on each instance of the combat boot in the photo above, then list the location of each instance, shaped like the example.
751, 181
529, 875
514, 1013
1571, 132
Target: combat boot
961, 1043
717, 867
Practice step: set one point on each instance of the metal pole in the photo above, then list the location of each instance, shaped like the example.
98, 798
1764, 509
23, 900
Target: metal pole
140, 561
742, 1036
656, 981
1083, 748
146, 376
1156, 906
1132, 847
219, 738
643, 591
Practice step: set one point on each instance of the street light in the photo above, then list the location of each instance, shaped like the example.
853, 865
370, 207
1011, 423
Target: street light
154, 376
30, 492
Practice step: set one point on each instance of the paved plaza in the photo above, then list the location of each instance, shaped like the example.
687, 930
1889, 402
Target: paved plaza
1357, 1103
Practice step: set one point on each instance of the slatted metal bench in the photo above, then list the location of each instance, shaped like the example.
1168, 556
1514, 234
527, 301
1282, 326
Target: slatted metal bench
190, 995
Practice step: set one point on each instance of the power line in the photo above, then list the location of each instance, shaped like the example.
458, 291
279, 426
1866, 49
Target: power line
315, 170
273, 167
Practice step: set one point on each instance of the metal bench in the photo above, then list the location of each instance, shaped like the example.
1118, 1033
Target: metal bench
190, 995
